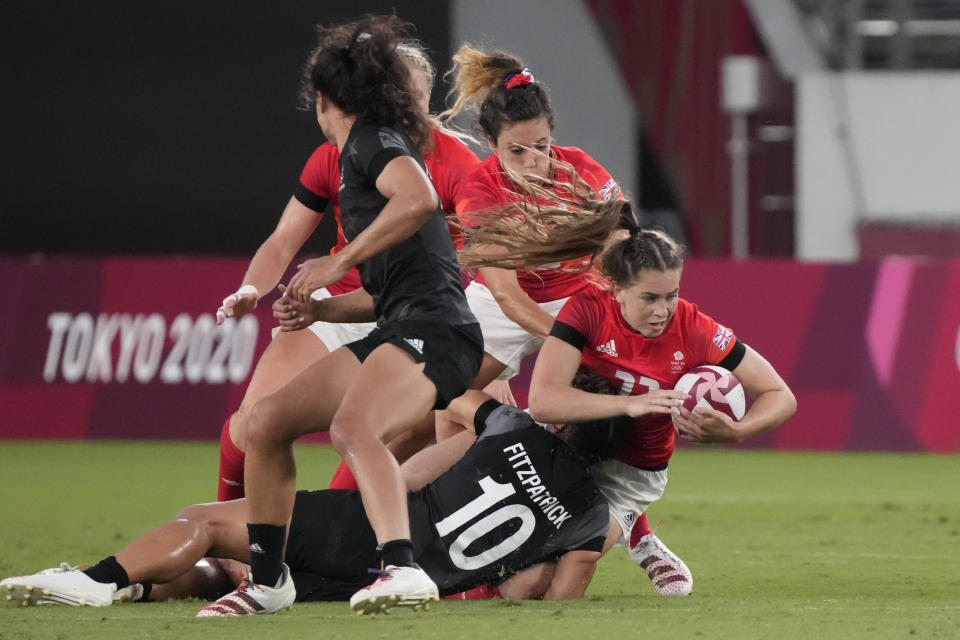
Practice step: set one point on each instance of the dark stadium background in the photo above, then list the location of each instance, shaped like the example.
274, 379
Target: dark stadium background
161, 128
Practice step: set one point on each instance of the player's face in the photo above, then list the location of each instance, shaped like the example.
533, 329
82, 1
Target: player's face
648, 304
524, 147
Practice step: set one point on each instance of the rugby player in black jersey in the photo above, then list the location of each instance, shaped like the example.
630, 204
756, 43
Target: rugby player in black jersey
427, 346
510, 497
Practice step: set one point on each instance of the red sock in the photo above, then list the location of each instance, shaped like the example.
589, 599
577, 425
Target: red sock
230, 485
640, 528
343, 478
483, 592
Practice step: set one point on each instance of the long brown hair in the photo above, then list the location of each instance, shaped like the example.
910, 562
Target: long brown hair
357, 66
556, 221
552, 221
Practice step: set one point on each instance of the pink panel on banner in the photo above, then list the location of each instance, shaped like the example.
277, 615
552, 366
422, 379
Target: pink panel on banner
123, 348
30, 414
938, 425
819, 422
767, 303
886, 314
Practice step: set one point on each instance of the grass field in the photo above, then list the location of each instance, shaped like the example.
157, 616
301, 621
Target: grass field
780, 546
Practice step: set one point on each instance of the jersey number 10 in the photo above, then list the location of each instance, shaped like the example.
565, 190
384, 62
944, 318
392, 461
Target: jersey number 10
468, 514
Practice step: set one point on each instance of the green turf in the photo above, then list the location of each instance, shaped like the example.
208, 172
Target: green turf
780, 545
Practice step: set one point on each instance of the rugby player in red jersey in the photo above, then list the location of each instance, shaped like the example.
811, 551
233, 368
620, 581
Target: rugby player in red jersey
640, 335
516, 308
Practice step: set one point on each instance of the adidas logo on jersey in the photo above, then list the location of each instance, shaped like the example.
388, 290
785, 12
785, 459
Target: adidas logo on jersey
416, 343
608, 348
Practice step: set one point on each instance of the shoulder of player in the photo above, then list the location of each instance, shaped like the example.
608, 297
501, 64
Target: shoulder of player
450, 146
577, 157
585, 166
692, 322
323, 156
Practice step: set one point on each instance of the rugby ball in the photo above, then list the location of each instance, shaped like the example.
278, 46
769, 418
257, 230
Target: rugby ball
715, 388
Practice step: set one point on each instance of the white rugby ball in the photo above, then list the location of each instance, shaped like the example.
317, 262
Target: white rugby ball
713, 387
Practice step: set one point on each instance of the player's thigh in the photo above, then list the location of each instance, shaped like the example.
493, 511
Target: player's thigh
389, 396
307, 403
287, 355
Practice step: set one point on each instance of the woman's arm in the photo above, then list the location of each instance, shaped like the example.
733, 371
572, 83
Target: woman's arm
574, 571
515, 303
553, 400
773, 403
411, 199
293, 315
296, 224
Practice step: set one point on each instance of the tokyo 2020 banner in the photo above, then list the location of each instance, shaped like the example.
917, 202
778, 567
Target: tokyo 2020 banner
128, 348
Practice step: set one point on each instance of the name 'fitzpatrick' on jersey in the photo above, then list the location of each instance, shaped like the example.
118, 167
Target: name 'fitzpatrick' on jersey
521, 496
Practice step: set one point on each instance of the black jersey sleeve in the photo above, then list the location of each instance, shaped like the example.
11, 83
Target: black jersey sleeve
309, 199
568, 334
376, 147
483, 412
504, 419
735, 357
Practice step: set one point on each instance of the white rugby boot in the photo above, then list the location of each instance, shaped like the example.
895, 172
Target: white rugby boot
396, 587
61, 585
669, 575
252, 599
130, 593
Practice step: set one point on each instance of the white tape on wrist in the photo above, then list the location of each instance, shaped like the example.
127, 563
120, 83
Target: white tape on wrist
248, 288
233, 299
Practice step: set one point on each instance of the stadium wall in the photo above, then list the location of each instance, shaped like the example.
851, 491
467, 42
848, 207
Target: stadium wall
126, 348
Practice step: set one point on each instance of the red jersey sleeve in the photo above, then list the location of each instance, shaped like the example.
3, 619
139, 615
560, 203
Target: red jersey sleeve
320, 179
579, 319
709, 340
590, 170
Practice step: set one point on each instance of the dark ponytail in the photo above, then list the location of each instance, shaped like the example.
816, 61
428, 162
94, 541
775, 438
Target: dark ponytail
357, 67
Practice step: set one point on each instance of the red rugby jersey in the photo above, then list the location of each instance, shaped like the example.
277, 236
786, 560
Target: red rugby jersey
490, 187
449, 161
592, 322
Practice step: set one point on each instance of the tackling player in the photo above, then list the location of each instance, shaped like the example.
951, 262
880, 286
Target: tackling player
516, 496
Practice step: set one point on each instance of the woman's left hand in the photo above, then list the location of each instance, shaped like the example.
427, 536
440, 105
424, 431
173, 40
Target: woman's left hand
293, 315
314, 274
705, 425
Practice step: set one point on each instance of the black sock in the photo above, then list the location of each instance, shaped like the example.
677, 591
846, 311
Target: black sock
147, 588
266, 552
397, 552
109, 570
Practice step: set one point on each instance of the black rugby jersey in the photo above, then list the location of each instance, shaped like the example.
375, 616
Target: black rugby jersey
518, 496
418, 277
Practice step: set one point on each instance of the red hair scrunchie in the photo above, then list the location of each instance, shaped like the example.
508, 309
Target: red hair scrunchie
518, 79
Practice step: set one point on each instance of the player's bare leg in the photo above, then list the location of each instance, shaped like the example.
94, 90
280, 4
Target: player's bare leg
304, 405
389, 395
163, 554
287, 355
